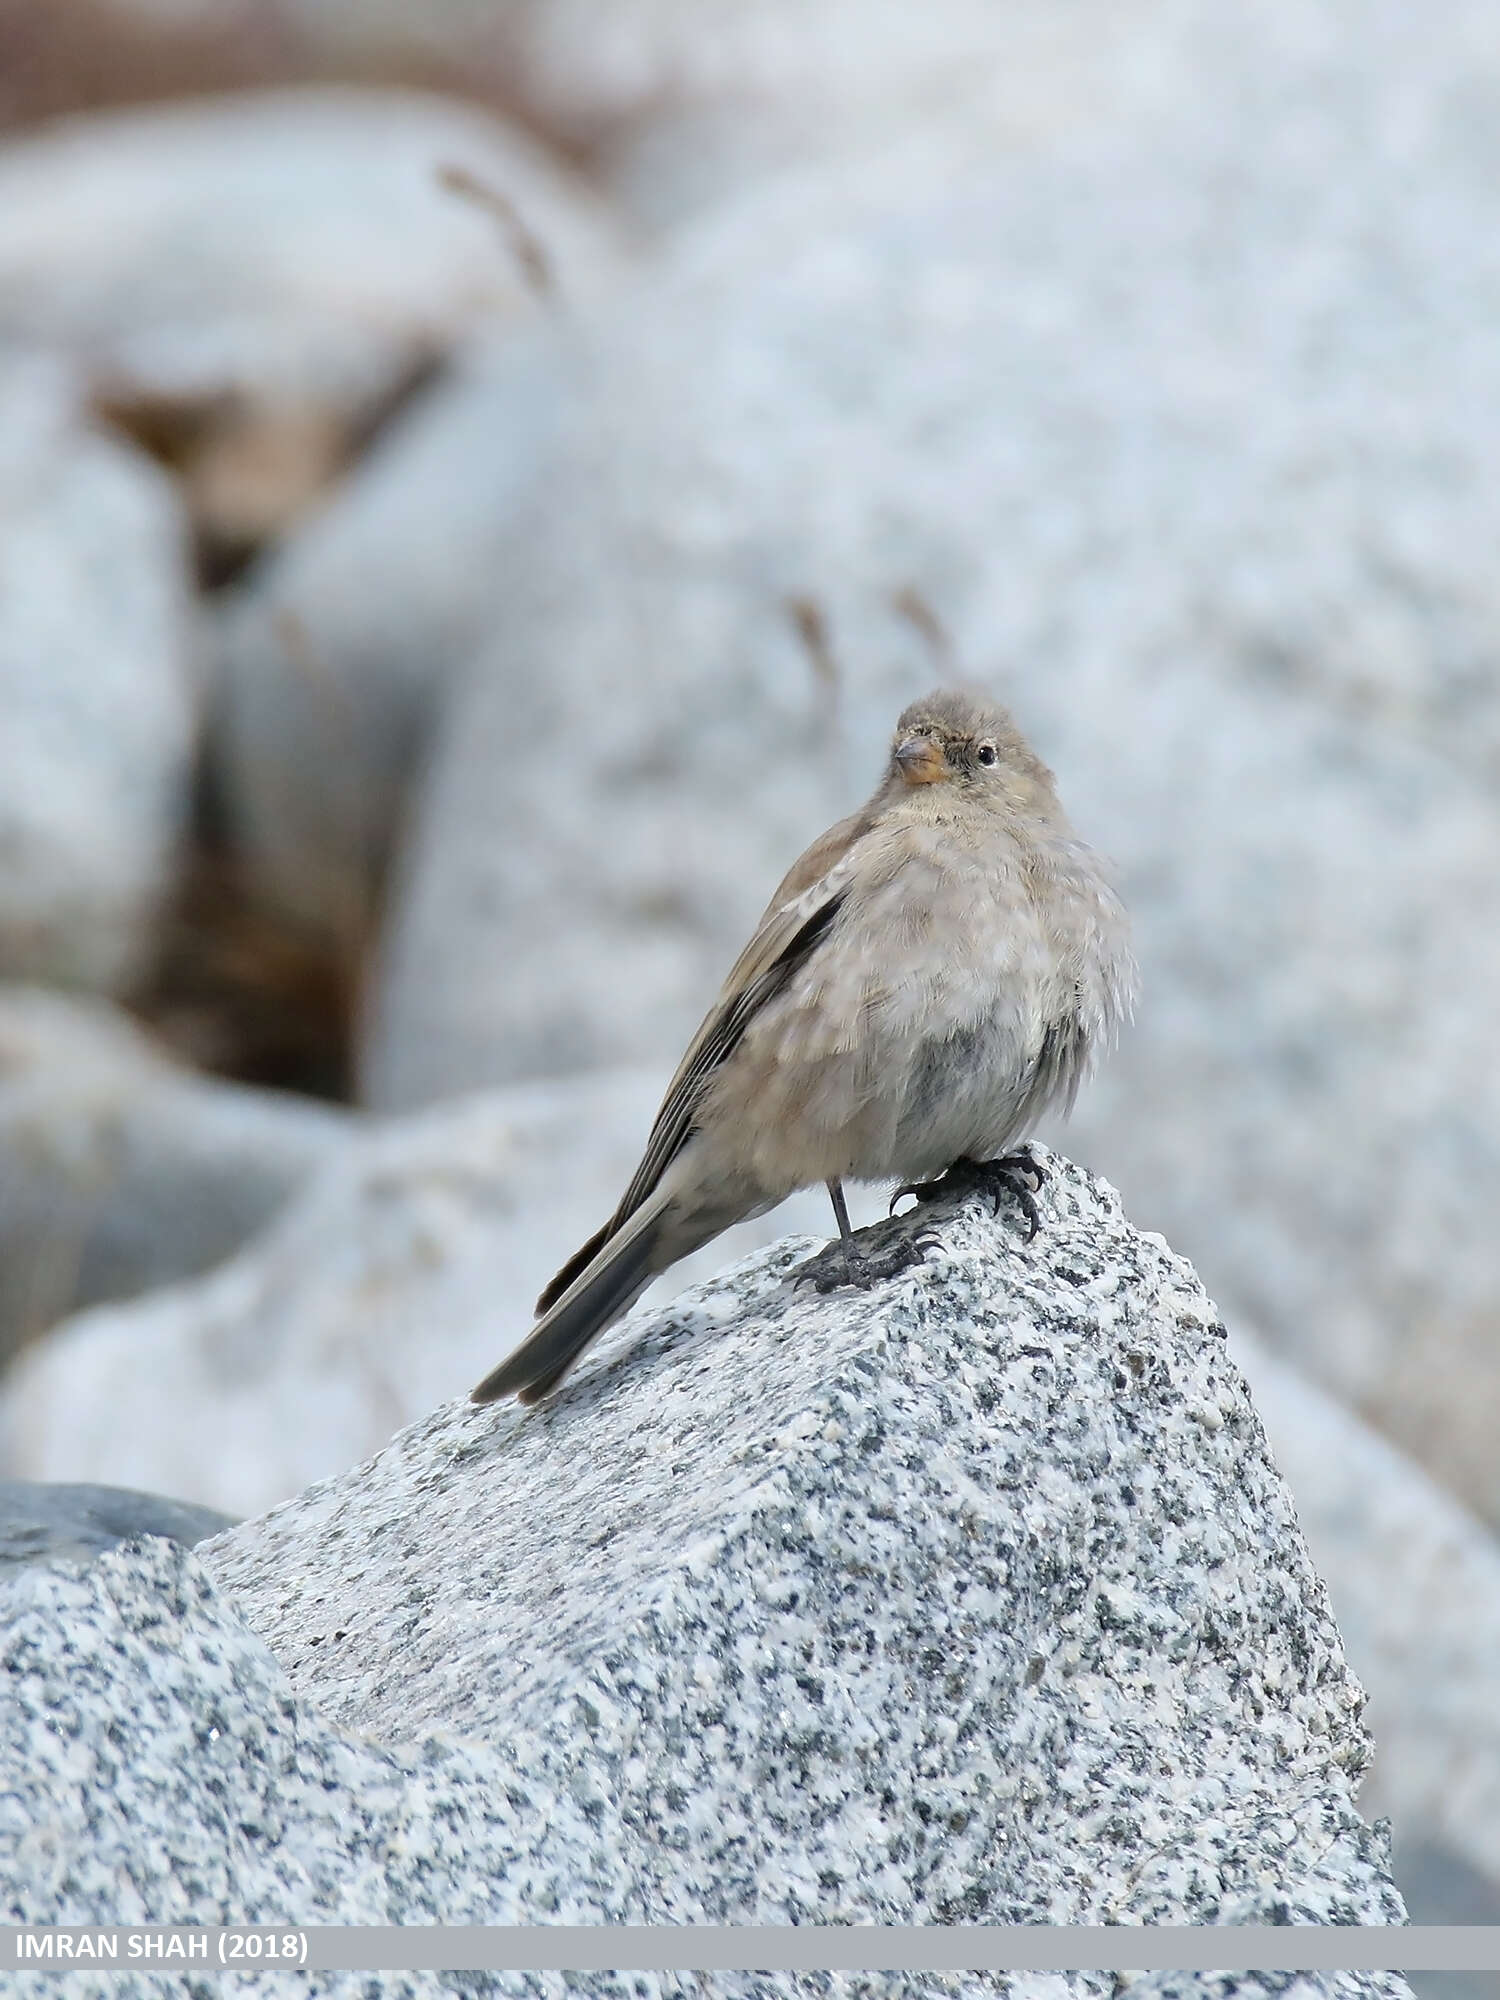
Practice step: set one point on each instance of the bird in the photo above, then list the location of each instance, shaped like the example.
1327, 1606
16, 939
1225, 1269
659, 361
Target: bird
934, 973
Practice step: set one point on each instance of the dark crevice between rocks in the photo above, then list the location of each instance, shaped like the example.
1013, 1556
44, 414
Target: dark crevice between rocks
250, 468
245, 992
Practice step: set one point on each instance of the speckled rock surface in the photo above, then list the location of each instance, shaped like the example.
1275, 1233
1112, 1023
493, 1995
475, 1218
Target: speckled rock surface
261, 1810
390, 1281
972, 1598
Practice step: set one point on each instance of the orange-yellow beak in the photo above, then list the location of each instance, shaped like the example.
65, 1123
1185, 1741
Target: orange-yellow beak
920, 760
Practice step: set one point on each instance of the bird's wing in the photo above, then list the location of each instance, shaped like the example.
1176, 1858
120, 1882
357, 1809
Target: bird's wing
805, 905
809, 869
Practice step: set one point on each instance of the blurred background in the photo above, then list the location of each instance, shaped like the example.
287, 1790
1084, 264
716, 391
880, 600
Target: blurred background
477, 483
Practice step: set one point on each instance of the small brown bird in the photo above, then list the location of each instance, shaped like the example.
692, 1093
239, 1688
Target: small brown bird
933, 974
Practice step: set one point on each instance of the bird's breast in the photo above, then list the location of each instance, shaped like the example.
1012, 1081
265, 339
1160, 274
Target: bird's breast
912, 1034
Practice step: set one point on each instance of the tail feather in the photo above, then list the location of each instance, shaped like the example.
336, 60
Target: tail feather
606, 1287
575, 1267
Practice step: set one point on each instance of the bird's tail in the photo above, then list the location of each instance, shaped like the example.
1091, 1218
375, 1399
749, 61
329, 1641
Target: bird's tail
609, 1284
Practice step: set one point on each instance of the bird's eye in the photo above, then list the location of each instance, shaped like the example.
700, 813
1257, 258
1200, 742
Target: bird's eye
987, 753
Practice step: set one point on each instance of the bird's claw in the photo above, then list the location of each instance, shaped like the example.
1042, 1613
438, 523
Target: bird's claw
1016, 1174
923, 1191
832, 1267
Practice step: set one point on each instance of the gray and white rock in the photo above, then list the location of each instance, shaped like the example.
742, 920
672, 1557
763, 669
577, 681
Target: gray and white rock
366, 264
259, 1811
334, 659
120, 1171
280, 242
1110, 421
392, 1279
99, 689
339, 652
975, 1598
251, 280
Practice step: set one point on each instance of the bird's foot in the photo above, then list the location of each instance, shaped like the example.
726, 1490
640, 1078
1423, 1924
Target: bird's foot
849, 1264
1015, 1174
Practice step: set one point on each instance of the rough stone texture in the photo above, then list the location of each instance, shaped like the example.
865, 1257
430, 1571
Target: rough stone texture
259, 1812
1415, 1584
120, 1171
396, 1277
45, 1523
1155, 432
98, 692
718, 1564
973, 1597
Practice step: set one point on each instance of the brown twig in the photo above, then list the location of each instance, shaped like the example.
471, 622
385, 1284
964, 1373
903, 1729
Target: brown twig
808, 616
525, 246
910, 604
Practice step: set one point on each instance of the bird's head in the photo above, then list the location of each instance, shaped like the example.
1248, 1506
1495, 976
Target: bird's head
952, 738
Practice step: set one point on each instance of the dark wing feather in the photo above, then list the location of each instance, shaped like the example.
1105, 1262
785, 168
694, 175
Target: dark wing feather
783, 941
715, 1042
575, 1267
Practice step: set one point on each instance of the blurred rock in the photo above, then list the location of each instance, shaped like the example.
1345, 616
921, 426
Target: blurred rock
337, 654
120, 1171
253, 281
680, 109
1153, 441
1438, 1888
398, 1276
98, 686
74, 55
334, 658
975, 1598
1415, 1583
45, 1524
244, 991
671, 106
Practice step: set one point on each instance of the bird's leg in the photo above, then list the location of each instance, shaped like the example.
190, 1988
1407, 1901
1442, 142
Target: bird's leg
847, 1263
846, 1235
1016, 1174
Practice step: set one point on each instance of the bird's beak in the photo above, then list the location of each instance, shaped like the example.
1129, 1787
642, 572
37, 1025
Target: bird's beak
920, 760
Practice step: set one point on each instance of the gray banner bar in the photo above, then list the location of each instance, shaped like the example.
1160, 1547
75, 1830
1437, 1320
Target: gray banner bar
760, 1948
